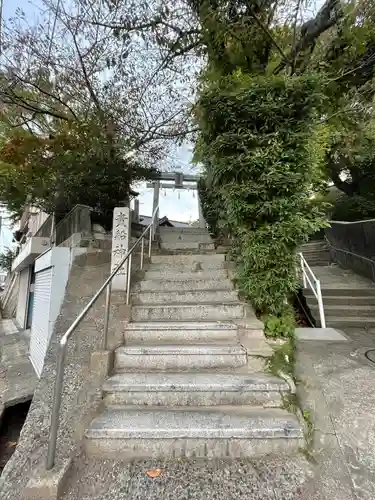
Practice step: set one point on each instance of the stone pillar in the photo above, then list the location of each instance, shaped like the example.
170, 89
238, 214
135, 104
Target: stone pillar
155, 204
202, 222
120, 245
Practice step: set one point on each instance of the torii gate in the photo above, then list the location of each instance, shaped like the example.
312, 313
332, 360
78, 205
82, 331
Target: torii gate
179, 178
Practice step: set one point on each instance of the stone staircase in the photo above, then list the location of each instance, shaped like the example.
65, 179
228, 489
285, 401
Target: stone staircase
189, 379
316, 253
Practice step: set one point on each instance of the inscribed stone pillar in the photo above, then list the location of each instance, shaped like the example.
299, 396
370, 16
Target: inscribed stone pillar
155, 204
120, 245
202, 222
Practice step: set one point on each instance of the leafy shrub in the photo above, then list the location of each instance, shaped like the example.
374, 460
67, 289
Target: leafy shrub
256, 145
280, 326
6, 259
354, 208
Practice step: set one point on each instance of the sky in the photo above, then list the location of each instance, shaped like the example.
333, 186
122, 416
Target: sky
181, 206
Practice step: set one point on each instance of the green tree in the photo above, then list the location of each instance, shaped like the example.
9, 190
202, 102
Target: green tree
76, 165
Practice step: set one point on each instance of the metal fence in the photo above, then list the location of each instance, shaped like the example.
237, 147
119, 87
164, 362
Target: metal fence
352, 245
46, 228
78, 220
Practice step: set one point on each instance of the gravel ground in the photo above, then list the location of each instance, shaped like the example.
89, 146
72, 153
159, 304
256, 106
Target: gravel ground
272, 478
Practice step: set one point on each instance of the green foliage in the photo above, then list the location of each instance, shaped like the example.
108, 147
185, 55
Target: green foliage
256, 146
354, 208
78, 164
6, 259
283, 359
280, 326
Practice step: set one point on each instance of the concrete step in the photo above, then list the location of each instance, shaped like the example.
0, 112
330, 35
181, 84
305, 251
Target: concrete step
185, 285
203, 432
313, 246
317, 257
178, 357
349, 322
172, 275
349, 301
316, 263
184, 312
184, 297
194, 389
188, 332
343, 310
338, 292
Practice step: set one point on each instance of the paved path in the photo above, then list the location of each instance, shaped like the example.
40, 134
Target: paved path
17, 376
339, 388
273, 478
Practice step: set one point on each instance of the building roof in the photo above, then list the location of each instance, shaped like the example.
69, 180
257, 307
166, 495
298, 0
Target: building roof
145, 220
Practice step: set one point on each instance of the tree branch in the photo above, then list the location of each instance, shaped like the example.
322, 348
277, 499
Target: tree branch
52, 96
85, 75
327, 17
268, 33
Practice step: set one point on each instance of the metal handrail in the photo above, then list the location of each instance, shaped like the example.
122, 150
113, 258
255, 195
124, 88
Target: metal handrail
51, 454
317, 291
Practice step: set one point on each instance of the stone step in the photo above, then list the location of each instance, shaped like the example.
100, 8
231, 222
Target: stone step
184, 230
188, 237
187, 245
172, 275
188, 332
348, 322
185, 297
203, 432
349, 301
337, 292
194, 389
180, 357
211, 261
185, 285
343, 310
183, 312
196, 265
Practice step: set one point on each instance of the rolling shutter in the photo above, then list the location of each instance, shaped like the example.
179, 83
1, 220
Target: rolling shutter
40, 325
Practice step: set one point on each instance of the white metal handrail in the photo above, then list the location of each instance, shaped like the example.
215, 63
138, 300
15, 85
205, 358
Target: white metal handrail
51, 454
309, 277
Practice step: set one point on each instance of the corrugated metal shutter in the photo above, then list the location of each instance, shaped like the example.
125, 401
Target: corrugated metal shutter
23, 297
40, 325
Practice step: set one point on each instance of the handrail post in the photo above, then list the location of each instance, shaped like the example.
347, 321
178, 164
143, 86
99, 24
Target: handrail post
106, 315
51, 454
142, 252
150, 243
128, 279
303, 271
320, 304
